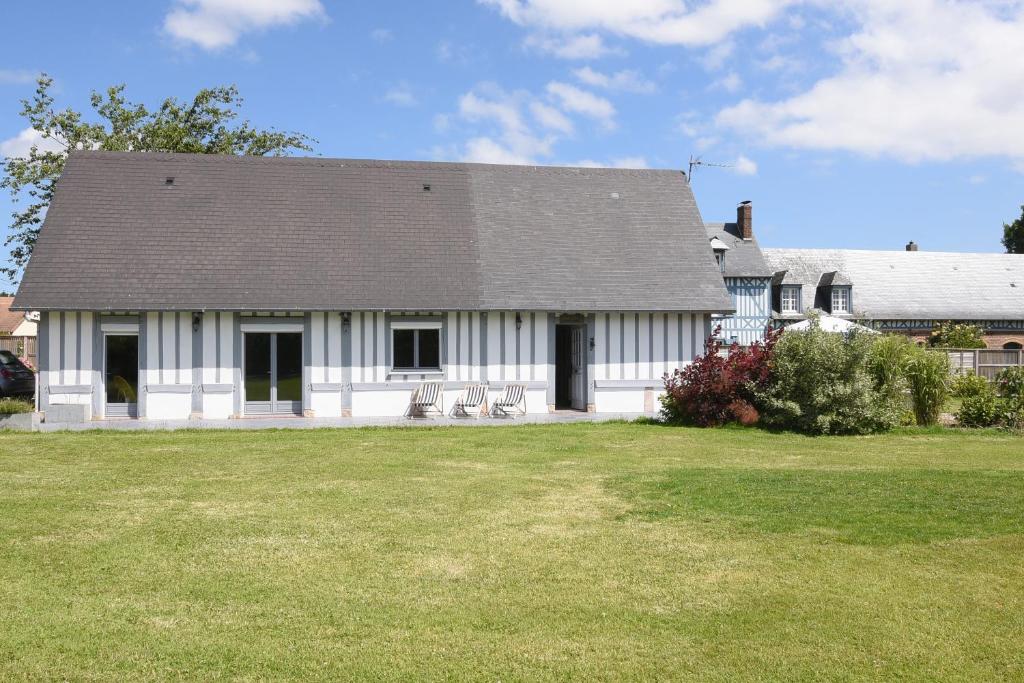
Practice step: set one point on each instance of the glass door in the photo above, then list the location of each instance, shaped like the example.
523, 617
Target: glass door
273, 373
121, 375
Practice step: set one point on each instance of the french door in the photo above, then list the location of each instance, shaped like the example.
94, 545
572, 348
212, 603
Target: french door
121, 375
273, 373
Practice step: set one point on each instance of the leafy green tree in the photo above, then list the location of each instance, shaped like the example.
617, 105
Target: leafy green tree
208, 124
1013, 235
950, 335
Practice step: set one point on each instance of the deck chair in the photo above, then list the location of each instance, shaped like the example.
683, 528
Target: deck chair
427, 398
512, 401
472, 402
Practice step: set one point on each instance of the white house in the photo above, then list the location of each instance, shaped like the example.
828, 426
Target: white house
174, 286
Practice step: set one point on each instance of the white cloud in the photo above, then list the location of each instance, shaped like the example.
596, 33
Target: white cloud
551, 118
20, 145
214, 24
731, 82
382, 35
401, 95
510, 139
744, 166
623, 162
17, 76
572, 46
580, 101
668, 22
627, 80
921, 80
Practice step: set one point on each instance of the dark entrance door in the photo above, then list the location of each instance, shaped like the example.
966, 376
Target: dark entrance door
121, 375
273, 373
563, 366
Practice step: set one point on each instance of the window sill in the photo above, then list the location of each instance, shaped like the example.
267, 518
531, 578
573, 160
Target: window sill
416, 371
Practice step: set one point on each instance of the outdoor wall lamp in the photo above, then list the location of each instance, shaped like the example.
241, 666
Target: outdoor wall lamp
197, 320
346, 319
592, 344
519, 321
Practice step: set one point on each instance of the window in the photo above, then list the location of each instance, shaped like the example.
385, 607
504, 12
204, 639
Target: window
840, 300
415, 348
720, 258
790, 299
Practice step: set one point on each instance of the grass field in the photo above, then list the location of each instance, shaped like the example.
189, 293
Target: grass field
536, 552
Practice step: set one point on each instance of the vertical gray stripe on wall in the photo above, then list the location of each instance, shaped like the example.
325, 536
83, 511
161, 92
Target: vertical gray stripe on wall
216, 343
636, 341
327, 345
144, 332
458, 345
469, 345
519, 343
346, 364
61, 372
679, 338
78, 341
650, 345
443, 341
388, 363
483, 348
177, 347
160, 347
236, 362
533, 345
551, 358
501, 354
97, 366
607, 342
664, 346
197, 366
591, 329
373, 321
622, 342
693, 336
43, 359
362, 346
307, 361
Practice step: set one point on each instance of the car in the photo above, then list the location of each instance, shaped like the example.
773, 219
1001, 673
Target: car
15, 377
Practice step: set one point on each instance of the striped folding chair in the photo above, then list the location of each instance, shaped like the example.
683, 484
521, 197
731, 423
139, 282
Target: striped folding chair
511, 402
428, 398
472, 402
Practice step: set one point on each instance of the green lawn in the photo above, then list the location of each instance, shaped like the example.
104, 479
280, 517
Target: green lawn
553, 552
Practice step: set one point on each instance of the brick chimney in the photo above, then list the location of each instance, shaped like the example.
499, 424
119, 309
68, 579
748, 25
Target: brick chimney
745, 219
911, 246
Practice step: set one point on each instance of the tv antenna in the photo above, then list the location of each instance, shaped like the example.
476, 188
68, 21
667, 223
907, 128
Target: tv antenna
699, 161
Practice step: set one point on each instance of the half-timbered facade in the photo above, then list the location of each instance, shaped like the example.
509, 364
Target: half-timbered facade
192, 286
747, 278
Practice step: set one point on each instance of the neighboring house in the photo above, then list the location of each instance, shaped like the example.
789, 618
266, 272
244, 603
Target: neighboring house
906, 291
14, 323
209, 286
747, 278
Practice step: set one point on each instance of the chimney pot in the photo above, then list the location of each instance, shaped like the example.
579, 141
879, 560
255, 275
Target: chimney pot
911, 246
745, 219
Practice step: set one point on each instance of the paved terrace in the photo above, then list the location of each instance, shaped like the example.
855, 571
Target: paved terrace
558, 417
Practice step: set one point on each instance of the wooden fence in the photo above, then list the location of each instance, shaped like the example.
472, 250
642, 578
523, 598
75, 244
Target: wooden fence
23, 347
984, 362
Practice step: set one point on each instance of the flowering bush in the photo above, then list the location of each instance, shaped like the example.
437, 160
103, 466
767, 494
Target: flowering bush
717, 388
969, 384
952, 335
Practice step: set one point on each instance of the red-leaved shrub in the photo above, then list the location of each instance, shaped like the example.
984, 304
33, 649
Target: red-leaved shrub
717, 388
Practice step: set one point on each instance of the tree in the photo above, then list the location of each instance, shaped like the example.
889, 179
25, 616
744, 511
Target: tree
206, 125
950, 335
1013, 235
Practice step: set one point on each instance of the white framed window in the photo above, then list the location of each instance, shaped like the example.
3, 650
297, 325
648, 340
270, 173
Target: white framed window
840, 299
790, 299
416, 347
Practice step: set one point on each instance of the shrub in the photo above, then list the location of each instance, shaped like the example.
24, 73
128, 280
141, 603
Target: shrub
821, 384
952, 335
717, 389
979, 410
887, 362
969, 384
1010, 382
928, 378
13, 406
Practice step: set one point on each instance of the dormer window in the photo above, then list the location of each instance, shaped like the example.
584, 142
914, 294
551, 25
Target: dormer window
790, 299
720, 260
840, 299
719, 247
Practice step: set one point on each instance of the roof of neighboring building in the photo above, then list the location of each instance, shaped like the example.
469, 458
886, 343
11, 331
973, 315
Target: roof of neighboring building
744, 257
912, 285
288, 233
9, 320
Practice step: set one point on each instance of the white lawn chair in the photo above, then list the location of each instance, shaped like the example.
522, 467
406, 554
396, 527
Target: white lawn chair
426, 399
512, 401
472, 402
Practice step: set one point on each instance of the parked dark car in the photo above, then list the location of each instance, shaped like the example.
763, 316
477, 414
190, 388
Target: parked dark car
15, 378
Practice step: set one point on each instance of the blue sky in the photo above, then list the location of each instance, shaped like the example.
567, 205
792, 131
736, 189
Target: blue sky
858, 124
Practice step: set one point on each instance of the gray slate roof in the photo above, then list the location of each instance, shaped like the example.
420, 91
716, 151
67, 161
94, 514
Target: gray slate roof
744, 257
911, 285
257, 233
